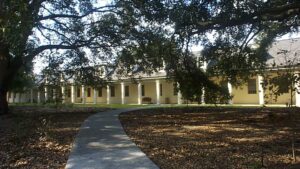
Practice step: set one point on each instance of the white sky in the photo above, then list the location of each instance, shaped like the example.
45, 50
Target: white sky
39, 65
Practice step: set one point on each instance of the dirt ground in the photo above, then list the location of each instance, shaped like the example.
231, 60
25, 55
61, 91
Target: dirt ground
39, 137
212, 138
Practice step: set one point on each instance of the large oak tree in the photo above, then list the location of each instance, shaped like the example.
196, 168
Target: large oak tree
57, 29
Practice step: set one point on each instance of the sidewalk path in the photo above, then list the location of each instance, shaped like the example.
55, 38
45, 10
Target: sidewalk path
102, 144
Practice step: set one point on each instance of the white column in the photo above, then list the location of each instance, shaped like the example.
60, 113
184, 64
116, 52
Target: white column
46, 94
297, 96
95, 95
31, 95
297, 92
203, 96
38, 97
19, 97
157, 92
179, 96
63, 94
122, 93
204, 66
12, 97
229, 86
72, 93
83, 94
7, 97
260, 90
139, 93
108, 94
164, 65
54, 94
15, 97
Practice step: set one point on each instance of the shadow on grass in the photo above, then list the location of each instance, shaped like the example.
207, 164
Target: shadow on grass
216, 137
39, 137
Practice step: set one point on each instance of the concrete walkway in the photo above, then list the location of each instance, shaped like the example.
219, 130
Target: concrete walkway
102, 144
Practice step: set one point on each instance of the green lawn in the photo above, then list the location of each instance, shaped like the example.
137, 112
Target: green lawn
52, 105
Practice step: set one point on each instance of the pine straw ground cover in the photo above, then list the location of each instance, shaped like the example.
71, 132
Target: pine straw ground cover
225, 138
39, 137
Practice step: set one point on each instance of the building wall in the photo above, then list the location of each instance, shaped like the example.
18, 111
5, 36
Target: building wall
133, 93
240, 94
102, 99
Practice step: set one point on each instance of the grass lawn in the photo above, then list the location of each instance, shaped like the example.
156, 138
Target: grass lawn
225, 138
39, 137
112, 106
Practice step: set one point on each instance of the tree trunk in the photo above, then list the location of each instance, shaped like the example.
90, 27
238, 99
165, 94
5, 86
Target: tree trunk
4, 77
3, 102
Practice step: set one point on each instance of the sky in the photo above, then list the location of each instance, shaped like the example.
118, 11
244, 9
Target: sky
39, 64
286, 36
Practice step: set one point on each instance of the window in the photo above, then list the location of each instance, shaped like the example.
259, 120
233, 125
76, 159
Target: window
88, 92
127, 91
112, 91
284, 88
175, 91
69, 92
100, 92
252, 86
143, 90
160, 89
78, 92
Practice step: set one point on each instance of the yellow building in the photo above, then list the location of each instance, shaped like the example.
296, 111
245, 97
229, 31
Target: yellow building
158, 89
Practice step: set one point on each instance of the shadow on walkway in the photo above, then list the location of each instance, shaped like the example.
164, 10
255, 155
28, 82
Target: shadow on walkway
102, 144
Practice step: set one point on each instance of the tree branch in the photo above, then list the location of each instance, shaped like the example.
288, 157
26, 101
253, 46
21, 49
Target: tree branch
274, 14
95, 10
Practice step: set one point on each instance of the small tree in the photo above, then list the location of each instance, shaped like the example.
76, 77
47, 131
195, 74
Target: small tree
287, 76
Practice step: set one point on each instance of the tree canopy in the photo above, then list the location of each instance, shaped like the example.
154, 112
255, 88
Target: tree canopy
233, 25
235, 36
